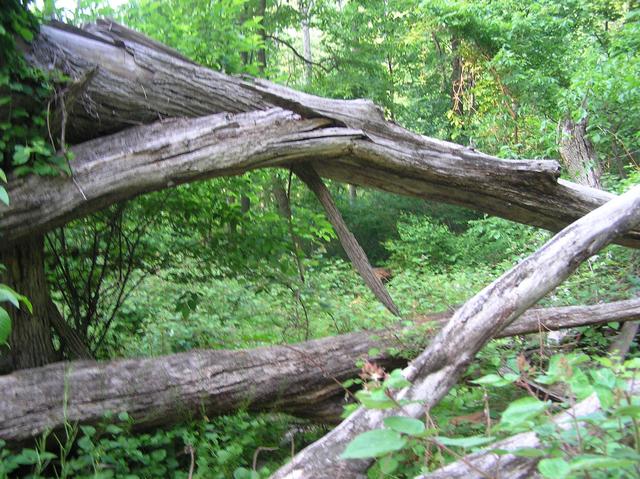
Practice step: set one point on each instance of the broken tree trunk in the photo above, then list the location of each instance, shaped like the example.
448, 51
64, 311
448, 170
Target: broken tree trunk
128, 79
351, 246
302, 379
440, 366
483, 464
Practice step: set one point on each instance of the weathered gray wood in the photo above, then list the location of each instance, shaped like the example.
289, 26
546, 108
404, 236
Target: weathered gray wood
137, 81
162, 155
349, 242
439, 367
301, 379
483, 464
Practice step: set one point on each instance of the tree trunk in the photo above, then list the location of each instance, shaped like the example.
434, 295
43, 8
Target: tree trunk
302, 379
305, 12
578, 154
353, 195
580, 159
439, 367
457, 79
349, 242
139, 81
30, 344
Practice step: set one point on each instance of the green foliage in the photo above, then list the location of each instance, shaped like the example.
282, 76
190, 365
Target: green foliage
423, 243
25, 93
220, 449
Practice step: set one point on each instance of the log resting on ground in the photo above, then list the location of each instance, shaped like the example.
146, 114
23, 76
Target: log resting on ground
126, 79
440, 365
486, 463
301, 379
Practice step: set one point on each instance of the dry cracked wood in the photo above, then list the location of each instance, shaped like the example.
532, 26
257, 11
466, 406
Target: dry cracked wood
439, 367
128, 79
301, 379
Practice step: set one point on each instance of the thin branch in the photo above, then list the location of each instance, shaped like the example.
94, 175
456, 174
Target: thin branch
296, 53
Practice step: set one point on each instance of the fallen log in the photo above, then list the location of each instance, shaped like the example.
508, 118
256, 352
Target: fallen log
301, 379
126, 79
448, 355
486, 463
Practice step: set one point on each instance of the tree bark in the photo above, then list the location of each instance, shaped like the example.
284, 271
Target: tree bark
135, 80
168, 153
578, 154
304, 6
483, 464
302, 379
580, 159
440, 366
349, 242
30, 344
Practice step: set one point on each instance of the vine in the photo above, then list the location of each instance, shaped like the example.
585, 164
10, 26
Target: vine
23, 122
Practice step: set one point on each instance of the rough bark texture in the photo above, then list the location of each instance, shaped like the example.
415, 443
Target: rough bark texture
30, 342
439, 367
139, 81
483, 464
302, 379
578, 154
349, 242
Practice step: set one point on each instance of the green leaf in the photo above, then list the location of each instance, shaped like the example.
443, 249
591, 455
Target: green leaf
388, 465
592, 461
3, 176
375, 399
374, 443
555, 468
629, 410
529, 452
466, 442
405, 425
9, 295
5, 326
522, 410
244, 473
4, 196
396, 380
496, 380
21, 155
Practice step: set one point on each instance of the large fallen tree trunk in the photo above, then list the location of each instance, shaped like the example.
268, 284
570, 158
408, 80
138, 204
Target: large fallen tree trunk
439, 367
487, 463
302, 379
124, 78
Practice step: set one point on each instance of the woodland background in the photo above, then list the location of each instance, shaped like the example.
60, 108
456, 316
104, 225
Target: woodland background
250, 261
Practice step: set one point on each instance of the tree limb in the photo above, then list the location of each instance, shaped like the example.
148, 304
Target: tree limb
439, 367
302, 379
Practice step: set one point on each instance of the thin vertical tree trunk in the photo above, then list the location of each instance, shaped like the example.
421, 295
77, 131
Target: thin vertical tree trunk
305, 10
456, 78
353, 195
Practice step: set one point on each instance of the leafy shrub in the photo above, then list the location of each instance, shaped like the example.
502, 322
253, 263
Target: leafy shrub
423, 243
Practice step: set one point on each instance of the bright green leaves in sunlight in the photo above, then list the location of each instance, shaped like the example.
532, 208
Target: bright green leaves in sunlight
8, 295
522, 411
374, 443
4, 196
5, 326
